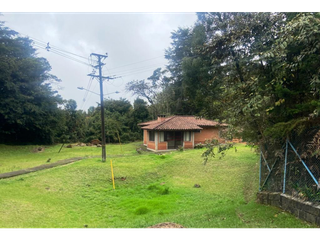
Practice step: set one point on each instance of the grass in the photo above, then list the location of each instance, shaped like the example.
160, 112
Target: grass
150, 189
15, 158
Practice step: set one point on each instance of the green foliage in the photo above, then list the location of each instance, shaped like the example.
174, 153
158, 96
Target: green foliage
256, 71
72, 123
28, 106
121, 120
210, 145
31, 112
259, 72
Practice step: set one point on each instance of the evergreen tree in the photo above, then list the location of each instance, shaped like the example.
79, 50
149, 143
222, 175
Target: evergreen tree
28, 106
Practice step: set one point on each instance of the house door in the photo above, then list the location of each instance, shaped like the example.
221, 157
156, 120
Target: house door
174, 139
170, 140
178, 139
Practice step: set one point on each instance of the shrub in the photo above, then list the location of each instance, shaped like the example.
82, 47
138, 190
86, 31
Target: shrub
199, 145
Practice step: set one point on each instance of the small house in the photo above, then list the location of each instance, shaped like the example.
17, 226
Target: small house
168, 133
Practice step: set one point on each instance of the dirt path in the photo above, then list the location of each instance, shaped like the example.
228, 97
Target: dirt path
41, 167
51, 165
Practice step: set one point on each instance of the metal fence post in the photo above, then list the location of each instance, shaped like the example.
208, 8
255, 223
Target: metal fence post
285, 168
306, 167
260, 171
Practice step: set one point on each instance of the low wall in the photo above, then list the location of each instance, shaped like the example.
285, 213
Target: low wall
307, 211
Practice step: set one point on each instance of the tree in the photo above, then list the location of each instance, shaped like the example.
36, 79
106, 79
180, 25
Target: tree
120, 121
145, 89
138, 115
28, 106
296, 83
73, 123
234, 43
257, 71
269, 66
149, 89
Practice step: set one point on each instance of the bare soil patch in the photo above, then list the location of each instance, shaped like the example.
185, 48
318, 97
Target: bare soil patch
167, 225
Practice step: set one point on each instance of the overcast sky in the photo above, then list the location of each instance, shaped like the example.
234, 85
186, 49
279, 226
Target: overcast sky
137, 40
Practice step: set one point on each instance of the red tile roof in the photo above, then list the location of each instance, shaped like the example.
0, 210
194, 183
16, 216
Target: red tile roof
180, 123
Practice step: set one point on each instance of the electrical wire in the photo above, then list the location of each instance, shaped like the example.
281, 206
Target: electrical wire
40, 42
61, 54
129, 72
135, 62
53, 47
43, 45
86, 92
136, 69
135, 73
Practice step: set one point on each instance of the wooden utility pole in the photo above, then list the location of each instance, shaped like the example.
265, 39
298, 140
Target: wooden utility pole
100, 64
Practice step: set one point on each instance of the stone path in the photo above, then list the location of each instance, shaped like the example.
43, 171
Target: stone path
41, 167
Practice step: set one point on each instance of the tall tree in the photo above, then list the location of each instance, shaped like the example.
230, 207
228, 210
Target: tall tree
120, 121
139, 114
296, 59
28, 106
269, 65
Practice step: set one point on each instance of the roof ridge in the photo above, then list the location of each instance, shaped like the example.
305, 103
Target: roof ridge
165, 121
154, 121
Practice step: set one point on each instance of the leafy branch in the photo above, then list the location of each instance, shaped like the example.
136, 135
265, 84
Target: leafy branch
210, 145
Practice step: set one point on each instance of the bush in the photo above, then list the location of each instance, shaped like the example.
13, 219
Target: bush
199, 145
180, 148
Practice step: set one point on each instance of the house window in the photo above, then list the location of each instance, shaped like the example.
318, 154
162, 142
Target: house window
161, 136
187, 136
165, 136
151, 136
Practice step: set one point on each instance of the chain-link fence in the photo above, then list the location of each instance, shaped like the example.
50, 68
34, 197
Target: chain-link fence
294, 167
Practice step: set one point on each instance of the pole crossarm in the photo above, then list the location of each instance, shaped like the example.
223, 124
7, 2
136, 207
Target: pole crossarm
97, 76
99, 55
97, 66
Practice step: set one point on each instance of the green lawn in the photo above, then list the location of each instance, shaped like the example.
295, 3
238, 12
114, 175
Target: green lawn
15, 158
157, 188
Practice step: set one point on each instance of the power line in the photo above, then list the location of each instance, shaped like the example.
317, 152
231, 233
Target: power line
52, 46
74, 59
87, 93
90, 94
57, 49
135, 62
43, 45
59, 53
136, 69
62, 54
